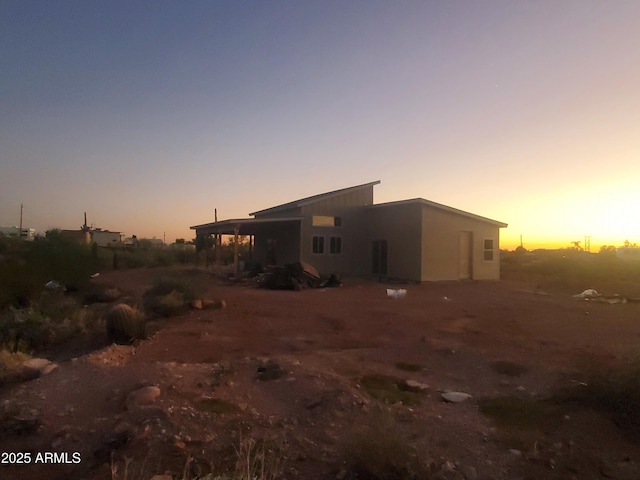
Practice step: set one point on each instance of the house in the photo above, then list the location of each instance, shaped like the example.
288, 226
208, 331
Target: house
344, 232
105, 238
28, 234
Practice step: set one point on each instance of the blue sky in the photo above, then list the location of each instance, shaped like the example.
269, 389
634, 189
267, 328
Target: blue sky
148, 115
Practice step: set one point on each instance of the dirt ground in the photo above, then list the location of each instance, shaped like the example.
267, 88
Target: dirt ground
324, 341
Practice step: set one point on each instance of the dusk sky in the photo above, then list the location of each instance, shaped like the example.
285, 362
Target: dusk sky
148, 115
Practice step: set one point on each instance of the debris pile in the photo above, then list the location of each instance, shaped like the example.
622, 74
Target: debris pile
293, 276
592, 295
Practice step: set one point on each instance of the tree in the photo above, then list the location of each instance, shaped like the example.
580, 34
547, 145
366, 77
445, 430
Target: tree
607, 250
576, 246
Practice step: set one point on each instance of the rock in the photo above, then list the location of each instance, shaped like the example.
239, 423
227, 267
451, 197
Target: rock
196, 304
39, 366
162, 477
469, 473
36, 363
213, 304
342, 474
415, 386
515, 452
456, 397
48, 369
143, 396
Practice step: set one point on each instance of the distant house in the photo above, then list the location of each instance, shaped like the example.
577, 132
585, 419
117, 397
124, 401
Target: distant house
344, 232
81, 236
26, 233
155, 242
105, 238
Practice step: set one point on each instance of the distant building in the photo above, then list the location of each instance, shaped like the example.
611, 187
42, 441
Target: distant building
628, 253
80, 236
105, 238
27, 233
155, 242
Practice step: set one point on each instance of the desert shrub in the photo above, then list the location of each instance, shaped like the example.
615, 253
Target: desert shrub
25, 267
167, 284
11, 366
522, 412
381, 451
170, 295
511, 369
409, 367
610, 386
52, 318
259, 459
570, 271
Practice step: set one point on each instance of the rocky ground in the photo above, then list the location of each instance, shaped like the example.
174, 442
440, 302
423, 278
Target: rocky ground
308, 378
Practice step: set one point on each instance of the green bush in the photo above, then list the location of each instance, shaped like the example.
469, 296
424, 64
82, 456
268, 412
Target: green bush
170, 295
25, 267
51, 318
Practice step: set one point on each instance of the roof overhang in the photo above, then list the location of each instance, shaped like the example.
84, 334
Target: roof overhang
242, 226
308, 200
429, 203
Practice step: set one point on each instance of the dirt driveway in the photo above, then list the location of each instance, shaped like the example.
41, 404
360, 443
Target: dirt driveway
291, 368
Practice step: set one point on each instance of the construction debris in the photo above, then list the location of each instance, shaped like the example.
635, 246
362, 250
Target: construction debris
294, 276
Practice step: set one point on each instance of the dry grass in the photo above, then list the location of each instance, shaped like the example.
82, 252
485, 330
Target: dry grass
381, 451
390, 390
259, 459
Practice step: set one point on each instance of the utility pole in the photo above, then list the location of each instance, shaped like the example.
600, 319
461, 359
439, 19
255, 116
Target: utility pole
20, 232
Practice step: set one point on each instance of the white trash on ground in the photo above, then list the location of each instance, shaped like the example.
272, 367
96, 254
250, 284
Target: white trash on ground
589, 292
396, 293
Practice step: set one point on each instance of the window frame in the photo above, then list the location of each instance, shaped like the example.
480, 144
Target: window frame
317, 245
488, 251
335, 245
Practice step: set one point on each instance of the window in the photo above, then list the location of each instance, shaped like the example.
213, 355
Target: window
488, 249
318, 245
335, 245
325, 221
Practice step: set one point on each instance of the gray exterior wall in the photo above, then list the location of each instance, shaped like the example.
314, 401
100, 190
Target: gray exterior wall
287, 244
400, 225
349, 207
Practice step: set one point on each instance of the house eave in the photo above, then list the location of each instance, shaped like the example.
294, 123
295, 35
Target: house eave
446, 208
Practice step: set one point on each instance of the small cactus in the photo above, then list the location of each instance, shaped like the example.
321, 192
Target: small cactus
125, 325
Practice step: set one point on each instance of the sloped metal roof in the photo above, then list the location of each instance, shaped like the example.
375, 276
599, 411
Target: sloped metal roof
314, 198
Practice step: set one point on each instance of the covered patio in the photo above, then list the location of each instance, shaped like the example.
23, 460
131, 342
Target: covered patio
251, 227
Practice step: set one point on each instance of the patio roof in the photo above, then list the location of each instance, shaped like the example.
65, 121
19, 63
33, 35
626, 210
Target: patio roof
243, 226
